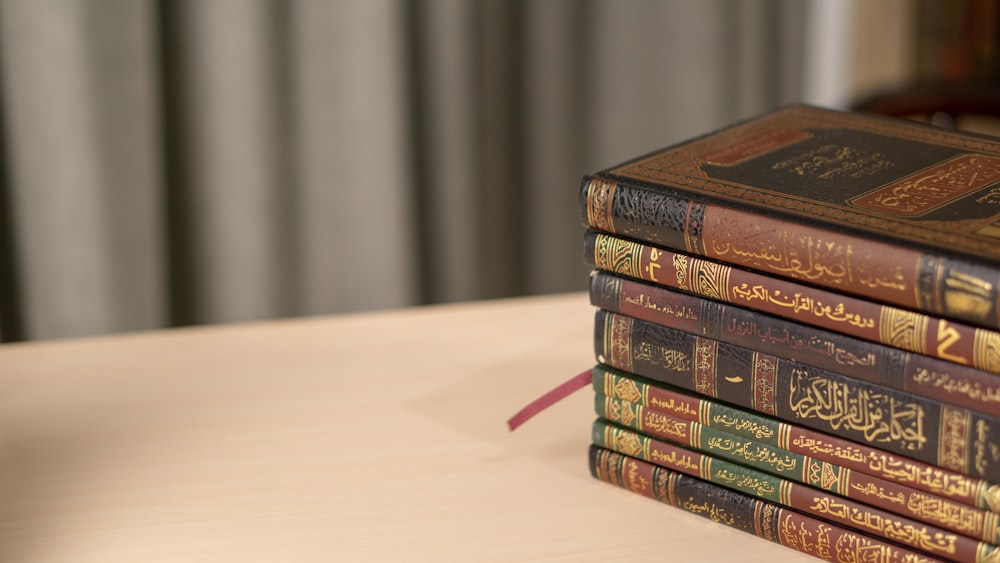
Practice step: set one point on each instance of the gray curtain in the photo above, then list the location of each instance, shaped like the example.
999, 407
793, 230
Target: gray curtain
168, 163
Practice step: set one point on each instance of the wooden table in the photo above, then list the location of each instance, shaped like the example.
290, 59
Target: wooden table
365, 437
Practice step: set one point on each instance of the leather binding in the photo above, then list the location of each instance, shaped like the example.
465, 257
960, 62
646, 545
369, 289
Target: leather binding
861, 458
743, 512
845, 511
907, 330
922, 375
842, 482
941, 434
887, 209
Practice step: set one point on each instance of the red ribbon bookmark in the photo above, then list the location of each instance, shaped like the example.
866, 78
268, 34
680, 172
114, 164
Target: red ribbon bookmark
564, 390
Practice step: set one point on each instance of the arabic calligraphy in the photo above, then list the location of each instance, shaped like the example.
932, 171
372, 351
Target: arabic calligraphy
756, 453
957, 385
799, 303
877, 416
888, 527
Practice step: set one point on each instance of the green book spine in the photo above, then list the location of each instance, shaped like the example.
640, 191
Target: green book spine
844, 511
749, 514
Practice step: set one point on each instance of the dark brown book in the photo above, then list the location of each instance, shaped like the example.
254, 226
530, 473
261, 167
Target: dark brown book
749, 514
941, 434
896, 498
862, 458
922, 375
887, 209
835, 508
955, 342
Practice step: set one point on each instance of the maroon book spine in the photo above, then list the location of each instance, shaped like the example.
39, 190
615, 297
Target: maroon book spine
907, 330
862, 458
941, 434
849, 513
922, 375
746, 513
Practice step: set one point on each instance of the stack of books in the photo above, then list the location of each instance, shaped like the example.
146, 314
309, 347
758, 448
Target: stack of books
798, 333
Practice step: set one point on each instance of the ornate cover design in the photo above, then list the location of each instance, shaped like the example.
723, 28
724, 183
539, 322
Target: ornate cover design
921, 375
919, 333
764, 519
834, 507
861, 458
887, 209
896, 498
889, 419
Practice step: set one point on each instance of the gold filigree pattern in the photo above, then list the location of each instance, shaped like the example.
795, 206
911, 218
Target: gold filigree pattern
986, 352
903, 329
627, 390
620, 256
710, 279
954, 436
600, 195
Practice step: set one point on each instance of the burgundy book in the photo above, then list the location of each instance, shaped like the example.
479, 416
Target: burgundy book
861, 458
761, 518
886, 209
938, 433
948, 382
955, 342
899, 499
844, 511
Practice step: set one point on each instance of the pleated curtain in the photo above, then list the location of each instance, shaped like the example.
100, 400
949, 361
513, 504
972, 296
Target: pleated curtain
211, 161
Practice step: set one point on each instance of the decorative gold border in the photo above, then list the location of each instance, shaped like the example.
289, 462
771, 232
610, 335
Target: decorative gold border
679, 168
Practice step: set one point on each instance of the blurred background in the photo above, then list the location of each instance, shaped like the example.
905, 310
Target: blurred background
179, 162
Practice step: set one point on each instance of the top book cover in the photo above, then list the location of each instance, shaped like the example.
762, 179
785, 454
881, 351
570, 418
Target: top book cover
888, 209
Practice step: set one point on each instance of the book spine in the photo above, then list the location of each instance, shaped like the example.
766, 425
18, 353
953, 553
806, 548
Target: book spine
851, 263
746, 513
953, 438
849, 513
948, 382
806, 441
959, 518
907, 330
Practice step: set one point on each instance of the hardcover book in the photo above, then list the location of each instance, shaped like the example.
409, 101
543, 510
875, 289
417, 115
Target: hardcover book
833, 507
748, 453
921, 333
862, 359
857, 457
790, 528
939, 433
887, 209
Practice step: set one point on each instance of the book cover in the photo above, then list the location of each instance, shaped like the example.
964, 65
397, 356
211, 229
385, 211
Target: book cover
899, 499
920, 333
888, 209
743, 512
951, 437
845, 511
919, 374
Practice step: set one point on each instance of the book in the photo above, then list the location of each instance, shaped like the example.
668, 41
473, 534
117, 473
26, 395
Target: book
919, 374
845, 511
862, 458
938, 433
899, 499
761, 518
887, 209
951, 341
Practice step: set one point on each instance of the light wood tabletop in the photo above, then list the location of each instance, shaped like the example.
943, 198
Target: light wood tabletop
363, 437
